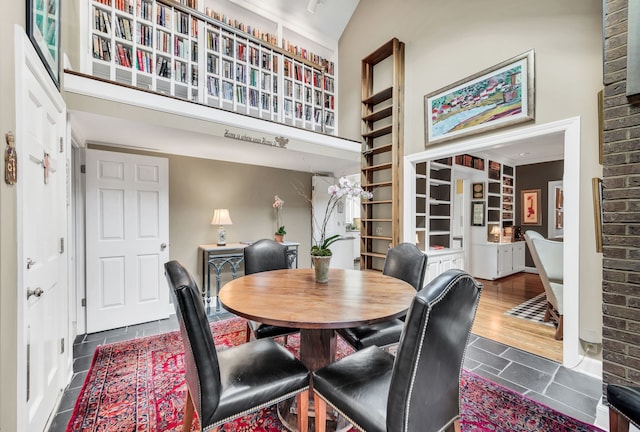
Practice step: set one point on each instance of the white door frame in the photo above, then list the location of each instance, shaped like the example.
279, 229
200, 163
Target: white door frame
571, 129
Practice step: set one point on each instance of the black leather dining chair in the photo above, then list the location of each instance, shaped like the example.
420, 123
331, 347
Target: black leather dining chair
624, 407
266, 255
236, 381
405, 262
418, 390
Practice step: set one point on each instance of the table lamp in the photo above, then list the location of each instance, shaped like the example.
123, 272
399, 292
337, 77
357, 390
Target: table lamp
221, 217
495, 233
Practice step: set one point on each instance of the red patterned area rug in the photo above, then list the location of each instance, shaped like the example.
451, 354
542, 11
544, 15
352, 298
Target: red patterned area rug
138, 385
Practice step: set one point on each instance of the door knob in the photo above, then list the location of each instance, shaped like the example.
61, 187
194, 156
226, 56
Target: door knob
163, 246
34, 292
30, 263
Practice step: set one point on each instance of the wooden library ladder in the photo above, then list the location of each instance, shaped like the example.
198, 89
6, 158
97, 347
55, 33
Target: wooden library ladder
382, 151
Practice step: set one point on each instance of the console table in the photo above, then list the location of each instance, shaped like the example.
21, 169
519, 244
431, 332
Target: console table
216, 257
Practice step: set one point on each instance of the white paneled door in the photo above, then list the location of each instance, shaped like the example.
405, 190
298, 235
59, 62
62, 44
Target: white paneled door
42, 238
127, 238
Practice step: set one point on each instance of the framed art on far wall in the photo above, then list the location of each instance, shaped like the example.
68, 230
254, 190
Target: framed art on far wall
531, 205
499, 96
43, 29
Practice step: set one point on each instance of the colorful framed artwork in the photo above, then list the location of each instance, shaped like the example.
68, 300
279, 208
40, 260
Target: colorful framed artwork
499, 96
43, 28
531, 205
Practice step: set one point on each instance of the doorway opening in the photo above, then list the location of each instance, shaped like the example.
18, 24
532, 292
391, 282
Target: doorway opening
568, 132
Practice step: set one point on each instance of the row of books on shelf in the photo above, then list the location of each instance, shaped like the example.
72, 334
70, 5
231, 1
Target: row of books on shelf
182, 24
239, 25
122, 5
193, 4
164, 15
310, 56
470, 161
123, 28
272, 39
144, 35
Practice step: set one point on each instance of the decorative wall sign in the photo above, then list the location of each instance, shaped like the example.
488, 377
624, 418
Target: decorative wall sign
280, 142
10, 160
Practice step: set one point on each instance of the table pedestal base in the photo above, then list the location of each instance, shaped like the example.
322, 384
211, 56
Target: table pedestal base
288, 415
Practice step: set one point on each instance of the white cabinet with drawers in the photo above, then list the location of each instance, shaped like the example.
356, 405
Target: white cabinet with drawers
496, 260
441, 261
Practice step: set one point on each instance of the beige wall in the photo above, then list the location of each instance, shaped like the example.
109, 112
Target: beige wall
12, 13
197, 186
447, 41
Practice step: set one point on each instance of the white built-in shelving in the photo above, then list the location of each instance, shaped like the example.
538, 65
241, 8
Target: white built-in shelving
202, 55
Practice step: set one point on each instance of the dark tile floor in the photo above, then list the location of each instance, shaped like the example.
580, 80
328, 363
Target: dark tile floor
540, 379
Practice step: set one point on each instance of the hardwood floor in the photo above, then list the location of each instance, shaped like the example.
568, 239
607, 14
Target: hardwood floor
491, 322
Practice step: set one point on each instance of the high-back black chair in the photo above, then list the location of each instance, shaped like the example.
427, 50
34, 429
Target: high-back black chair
405, 262
624, 407
231, 383
265, 255
419, 389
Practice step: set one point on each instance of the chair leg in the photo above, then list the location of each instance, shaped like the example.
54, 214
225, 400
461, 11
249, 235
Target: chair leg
248, 338
188, 413
320, 409
456, 425
617, 422
547, 313
286, 339
559, 329
302, 399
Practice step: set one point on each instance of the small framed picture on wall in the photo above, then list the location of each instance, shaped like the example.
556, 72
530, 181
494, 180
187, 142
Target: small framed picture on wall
531, 207
477, 213
477, 190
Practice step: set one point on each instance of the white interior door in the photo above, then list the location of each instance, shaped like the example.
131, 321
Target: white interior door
127, 237
42, 235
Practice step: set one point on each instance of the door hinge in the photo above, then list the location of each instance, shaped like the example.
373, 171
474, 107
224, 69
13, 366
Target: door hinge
83, 169
61, 345
83, 302
61, 245
61, 145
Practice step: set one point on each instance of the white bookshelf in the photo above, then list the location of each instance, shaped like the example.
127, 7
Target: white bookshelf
173, 49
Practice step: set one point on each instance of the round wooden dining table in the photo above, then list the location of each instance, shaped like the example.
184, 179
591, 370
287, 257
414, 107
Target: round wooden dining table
292, 298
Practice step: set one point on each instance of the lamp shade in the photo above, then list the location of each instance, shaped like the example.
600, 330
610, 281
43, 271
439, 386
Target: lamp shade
221, 217
495, 230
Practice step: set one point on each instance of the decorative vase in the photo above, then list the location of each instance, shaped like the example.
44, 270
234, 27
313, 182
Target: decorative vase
321, 267
279, 238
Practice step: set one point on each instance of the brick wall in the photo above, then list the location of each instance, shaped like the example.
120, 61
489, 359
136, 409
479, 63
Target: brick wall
621, 207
